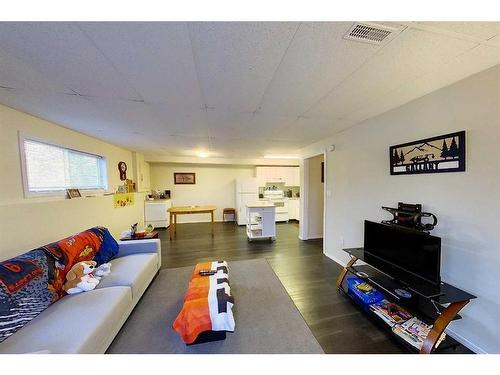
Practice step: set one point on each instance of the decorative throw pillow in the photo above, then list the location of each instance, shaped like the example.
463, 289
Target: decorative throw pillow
26, 289
71, 250
109, 247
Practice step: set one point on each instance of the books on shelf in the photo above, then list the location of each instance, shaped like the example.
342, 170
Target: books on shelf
390, 312
414, 331
409, 328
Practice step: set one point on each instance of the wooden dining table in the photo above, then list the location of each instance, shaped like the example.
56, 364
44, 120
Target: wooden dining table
188, 210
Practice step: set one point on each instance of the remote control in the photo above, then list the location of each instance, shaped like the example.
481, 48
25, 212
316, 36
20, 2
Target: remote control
207, 272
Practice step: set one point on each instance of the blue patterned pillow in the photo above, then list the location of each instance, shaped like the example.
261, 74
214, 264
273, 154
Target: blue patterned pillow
25, 290
109, 247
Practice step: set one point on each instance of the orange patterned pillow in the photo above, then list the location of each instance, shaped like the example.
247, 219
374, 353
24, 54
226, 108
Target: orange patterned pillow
71, 250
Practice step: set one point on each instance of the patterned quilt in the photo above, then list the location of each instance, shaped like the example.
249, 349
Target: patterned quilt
31, 282
207, 304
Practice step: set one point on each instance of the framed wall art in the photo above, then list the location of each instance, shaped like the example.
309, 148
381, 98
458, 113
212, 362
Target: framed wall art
73, 193
184, 178
444, 153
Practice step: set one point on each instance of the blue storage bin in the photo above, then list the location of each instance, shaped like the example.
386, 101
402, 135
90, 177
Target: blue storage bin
363, 298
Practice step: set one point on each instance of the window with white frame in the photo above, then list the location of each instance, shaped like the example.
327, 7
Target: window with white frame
53, 169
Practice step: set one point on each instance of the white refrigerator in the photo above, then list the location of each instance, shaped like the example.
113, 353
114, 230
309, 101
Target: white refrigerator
247, 192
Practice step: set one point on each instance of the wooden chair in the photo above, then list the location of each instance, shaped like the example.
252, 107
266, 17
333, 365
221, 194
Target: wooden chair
229, 211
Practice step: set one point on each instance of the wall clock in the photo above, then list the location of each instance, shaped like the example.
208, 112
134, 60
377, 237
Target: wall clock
122, 167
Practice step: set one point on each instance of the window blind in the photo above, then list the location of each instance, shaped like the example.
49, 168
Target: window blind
53, 168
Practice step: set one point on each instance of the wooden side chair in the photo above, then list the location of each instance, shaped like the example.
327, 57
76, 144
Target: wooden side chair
229, 211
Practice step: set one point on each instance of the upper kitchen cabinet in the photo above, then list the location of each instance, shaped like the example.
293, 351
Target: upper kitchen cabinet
293, 176
288, 175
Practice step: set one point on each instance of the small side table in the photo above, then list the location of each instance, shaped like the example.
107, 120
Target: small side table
147, 236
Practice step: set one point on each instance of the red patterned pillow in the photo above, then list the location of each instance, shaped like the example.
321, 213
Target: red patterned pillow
71, 250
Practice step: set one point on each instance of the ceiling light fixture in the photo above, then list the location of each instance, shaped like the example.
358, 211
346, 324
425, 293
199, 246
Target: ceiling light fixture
281, 157
203, 154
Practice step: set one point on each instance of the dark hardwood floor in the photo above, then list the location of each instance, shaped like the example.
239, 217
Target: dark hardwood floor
307, 275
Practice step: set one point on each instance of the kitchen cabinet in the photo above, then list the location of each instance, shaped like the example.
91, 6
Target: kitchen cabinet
270, 174
288, 175
294, 209
292, 176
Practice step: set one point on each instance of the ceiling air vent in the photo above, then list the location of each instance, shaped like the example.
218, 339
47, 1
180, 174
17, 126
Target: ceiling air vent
370, 32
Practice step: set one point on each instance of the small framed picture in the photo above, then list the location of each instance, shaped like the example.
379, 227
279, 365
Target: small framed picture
73, 193
185, 178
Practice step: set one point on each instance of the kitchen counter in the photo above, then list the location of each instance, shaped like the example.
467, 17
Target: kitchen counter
260, 204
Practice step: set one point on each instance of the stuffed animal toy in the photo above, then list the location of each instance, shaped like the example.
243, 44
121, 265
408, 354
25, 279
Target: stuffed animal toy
80, 279
101, 271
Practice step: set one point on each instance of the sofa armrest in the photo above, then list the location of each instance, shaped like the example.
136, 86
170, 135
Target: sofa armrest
140, 247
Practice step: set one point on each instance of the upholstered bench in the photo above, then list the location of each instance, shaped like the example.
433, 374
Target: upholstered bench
206, 314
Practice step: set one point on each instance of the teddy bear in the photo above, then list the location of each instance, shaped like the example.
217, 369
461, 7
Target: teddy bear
101, 271
80, 279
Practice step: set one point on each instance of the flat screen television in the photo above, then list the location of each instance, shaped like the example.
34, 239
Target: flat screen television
405, 254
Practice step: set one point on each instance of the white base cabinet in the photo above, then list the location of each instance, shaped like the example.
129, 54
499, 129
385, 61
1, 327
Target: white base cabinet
294, 209
155, 213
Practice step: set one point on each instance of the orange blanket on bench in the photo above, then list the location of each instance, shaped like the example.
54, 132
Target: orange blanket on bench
207, 304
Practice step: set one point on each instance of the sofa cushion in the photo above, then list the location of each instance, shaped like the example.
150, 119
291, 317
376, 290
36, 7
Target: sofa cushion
25, 290
135, 271
78, 323
109, 247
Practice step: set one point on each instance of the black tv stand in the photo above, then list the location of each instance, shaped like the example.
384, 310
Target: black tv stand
437, 305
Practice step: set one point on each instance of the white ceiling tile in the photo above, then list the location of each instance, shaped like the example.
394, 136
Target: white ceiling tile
156, 58
318, 59
310, 130
467, 64
14, 73
481, 30
236, 61
177, 120
229, 125
62, 53
407, 56
185, 145
110, 120
244, 149
246, 125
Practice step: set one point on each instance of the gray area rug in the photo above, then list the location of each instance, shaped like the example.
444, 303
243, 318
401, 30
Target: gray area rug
266, 319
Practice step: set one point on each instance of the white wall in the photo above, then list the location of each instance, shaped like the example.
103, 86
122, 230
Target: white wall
26, 223
315, 197
141, 173
467, 204
215, 185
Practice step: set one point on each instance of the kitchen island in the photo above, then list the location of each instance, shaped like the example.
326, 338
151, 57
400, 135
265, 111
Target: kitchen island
261, 221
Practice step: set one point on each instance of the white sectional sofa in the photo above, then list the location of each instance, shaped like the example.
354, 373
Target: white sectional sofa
88, 322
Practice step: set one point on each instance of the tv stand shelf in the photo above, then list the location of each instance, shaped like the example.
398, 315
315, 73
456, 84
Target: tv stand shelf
434, 305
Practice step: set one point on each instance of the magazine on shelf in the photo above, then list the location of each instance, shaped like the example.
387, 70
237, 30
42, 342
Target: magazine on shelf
414, 331
390, 312
410, 338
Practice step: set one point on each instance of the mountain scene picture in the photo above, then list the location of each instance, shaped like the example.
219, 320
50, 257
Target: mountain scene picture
445, 153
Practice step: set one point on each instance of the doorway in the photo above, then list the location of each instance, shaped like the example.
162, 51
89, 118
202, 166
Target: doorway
313, 193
